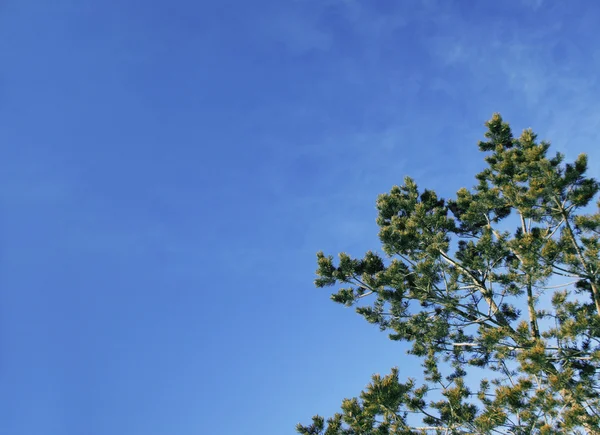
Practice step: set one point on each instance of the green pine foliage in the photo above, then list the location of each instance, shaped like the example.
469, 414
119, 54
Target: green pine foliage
500, 284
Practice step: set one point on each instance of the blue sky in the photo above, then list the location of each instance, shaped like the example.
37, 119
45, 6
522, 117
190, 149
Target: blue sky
169, 170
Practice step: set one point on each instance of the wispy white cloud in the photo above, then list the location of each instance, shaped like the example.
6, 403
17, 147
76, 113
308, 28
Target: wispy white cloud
534, 4
468, 69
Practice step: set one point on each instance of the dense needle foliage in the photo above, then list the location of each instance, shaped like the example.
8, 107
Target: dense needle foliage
497, 291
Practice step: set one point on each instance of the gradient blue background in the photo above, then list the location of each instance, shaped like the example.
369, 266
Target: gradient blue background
169, 169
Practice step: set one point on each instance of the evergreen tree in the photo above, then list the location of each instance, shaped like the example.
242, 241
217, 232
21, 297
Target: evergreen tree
497, 290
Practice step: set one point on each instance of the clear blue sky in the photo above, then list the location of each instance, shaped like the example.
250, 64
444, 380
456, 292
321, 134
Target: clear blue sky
169, 169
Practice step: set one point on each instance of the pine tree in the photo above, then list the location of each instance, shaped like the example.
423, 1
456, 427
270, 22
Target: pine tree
498, 292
